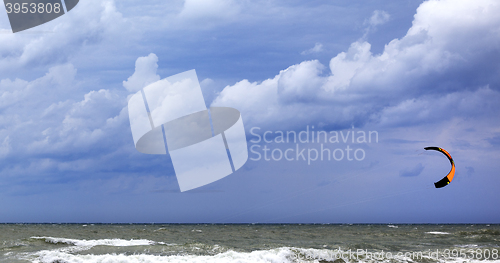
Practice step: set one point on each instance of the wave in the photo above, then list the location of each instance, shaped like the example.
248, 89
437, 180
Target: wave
98, 242
277, 255
437, 233
468, 246
484, 232
271, 256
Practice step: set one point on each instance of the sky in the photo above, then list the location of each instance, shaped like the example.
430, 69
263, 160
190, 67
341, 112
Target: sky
409, 73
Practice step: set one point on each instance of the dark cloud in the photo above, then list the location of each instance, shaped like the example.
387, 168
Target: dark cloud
411, 172
494, 141
470, 170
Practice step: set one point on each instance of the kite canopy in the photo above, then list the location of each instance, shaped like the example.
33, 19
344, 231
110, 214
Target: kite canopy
447, 179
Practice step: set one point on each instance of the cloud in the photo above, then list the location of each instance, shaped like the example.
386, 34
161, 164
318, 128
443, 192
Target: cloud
89, 23
64, 122
208, 12
318, 47
145, 73
5, 146
433, 109
433, 65
43, 129
470, 170
411, 172
379, 17
495, 140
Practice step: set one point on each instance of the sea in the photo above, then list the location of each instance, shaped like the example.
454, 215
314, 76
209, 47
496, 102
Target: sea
277, 243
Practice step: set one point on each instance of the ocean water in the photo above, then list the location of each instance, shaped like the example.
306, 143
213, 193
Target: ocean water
110, 243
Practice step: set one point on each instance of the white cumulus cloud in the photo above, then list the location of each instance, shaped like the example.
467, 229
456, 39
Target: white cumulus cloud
378, 17
318, 47
435, 58
145, 73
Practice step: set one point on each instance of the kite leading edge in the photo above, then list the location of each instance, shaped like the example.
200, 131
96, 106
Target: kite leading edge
447, 179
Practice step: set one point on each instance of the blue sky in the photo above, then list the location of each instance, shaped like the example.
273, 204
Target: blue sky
419, 73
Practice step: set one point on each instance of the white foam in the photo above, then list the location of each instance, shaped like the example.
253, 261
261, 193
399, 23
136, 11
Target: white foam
467, 246
281, 255
278, 255
393, 226
98, 242
80, 245
437, 233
